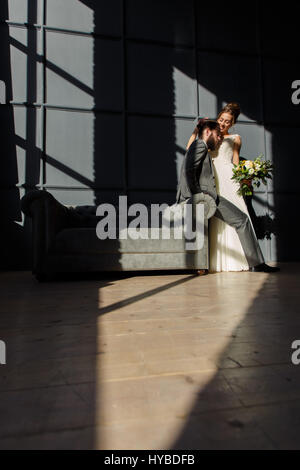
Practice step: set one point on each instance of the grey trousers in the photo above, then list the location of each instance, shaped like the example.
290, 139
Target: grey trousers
236, 218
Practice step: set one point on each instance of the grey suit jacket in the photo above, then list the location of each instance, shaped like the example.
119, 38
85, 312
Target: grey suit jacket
196, 174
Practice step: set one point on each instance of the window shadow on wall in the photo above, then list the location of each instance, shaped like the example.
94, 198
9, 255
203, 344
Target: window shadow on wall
12, 235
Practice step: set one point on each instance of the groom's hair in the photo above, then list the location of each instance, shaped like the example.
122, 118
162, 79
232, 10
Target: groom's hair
208, 124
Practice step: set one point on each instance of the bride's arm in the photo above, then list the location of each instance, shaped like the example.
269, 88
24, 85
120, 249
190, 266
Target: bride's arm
192, 138
195, 133
236, 150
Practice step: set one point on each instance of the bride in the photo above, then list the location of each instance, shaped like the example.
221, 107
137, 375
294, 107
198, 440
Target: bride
226, 252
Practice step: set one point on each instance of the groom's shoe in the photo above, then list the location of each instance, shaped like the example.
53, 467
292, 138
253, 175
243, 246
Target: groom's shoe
264, 268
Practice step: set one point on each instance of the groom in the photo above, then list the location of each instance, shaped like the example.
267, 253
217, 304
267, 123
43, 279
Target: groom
197, 176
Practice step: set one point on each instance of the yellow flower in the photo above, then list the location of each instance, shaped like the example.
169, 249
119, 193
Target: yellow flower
249, 164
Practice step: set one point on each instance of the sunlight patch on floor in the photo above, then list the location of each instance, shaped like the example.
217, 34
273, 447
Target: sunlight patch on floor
158, 349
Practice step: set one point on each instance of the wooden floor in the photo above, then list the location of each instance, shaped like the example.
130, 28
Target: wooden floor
161, 361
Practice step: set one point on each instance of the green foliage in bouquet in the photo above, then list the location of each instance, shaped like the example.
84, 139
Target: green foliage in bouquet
254, 172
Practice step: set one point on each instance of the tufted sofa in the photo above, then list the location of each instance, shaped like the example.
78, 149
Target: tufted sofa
64, 240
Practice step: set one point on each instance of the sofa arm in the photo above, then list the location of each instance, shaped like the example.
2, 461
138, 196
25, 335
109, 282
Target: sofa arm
49, 217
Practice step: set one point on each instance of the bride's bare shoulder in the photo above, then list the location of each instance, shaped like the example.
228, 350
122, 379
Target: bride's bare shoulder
237, 139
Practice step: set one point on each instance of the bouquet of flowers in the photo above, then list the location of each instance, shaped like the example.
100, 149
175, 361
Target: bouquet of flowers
248, 173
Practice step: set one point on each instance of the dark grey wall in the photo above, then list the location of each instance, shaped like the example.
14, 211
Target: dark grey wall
100, 98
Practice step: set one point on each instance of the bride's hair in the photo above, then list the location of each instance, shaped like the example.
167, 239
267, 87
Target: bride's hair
233, 109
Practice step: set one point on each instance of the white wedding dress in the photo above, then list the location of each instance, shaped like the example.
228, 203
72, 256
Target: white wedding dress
226, 252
